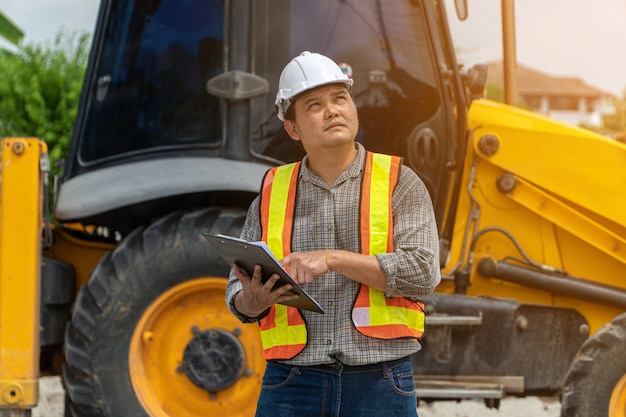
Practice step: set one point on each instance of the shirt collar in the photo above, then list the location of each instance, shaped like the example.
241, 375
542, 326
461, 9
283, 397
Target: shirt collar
354, 170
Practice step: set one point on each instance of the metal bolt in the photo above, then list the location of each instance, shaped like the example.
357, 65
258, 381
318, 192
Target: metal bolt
584, 329
12, 394
18, 148
489, 144
522, 323
487, 267
506, 183
147, 337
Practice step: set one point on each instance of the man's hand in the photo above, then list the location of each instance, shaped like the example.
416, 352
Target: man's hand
305, 266
257, 297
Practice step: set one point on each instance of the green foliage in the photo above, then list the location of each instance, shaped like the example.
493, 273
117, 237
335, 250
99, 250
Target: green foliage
40, 87
9, 30
616, 122
494, 92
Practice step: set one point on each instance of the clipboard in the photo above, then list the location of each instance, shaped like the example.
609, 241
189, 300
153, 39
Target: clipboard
248, 254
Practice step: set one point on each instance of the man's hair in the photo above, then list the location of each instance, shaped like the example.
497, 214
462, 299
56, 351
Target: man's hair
290, 114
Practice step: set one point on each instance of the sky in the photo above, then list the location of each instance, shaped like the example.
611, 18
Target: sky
562, 38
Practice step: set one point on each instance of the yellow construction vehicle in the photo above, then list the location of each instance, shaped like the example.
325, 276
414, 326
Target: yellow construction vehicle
119, 293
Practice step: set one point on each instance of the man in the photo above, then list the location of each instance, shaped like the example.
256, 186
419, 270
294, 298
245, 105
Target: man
358, 232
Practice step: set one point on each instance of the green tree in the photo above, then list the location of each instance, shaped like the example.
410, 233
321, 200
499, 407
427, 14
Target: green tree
494, 92
40, 87
616, 122
9, 30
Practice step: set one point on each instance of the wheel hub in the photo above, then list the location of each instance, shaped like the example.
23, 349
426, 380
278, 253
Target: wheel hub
214, 359
190, 356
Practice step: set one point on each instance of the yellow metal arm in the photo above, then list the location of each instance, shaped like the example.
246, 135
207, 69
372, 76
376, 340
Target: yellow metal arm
564, 216
21, 196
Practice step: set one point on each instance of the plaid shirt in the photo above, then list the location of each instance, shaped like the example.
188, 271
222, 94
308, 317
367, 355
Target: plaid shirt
328, 218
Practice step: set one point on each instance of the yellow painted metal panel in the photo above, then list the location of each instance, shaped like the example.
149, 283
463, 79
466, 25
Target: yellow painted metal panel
569, 219
81, 253
574, 164
21, 194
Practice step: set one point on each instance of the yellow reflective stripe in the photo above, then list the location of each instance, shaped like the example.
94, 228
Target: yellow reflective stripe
277, 209
377, 298
384, 315
280, 317
379, 204
283, 334
380, 313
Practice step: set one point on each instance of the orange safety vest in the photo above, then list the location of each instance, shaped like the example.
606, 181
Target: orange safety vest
283, 330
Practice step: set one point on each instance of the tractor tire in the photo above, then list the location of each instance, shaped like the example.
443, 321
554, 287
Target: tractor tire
150, 333
596, 382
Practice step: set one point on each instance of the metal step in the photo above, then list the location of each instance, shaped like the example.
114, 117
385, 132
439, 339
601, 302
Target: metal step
467, 387
445, 320
459, 392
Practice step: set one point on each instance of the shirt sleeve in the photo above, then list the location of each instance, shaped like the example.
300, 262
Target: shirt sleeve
413, 268
251, 232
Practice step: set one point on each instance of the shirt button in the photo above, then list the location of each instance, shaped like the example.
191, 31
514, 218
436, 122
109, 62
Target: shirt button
329, 342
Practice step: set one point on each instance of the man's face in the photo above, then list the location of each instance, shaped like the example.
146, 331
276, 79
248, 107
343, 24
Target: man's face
324, 118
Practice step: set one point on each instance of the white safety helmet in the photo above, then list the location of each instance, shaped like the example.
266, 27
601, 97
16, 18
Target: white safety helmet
303, 73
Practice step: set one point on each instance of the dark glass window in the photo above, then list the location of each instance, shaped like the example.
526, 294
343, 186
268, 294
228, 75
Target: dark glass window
387, 38
157, 55
151, 81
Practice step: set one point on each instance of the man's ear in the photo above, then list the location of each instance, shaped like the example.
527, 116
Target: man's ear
291, 129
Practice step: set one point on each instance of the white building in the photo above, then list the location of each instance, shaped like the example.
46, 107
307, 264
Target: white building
568, 99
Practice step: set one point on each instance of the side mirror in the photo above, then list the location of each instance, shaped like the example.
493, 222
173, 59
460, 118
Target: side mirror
461, 9
476, 80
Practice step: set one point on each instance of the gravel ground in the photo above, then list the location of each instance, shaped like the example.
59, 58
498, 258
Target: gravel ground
51, 398
51, 405
509, 407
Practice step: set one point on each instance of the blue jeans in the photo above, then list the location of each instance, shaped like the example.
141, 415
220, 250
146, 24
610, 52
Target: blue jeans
380, 390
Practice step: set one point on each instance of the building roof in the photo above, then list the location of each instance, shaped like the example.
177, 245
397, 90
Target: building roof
533, 82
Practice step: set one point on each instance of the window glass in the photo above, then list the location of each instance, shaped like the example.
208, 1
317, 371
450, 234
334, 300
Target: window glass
374, 39
152, 95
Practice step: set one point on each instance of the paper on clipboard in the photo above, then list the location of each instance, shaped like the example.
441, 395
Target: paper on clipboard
248, 254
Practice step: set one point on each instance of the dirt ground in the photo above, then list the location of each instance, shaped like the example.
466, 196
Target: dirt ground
51, 405
51, 398
509, 407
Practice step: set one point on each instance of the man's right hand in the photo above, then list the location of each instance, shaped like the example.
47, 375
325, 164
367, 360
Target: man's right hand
256, 297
